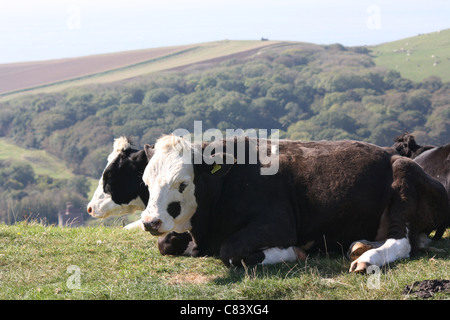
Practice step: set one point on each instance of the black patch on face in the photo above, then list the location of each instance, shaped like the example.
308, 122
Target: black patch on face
174, 209
122, 179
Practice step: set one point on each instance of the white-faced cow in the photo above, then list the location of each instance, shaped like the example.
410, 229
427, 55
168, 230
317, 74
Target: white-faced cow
122, 191
323, 195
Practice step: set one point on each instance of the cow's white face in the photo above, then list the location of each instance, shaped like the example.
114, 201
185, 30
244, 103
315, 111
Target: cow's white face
102, 205
170, 179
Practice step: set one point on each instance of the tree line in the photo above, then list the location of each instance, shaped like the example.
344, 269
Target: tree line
26, 195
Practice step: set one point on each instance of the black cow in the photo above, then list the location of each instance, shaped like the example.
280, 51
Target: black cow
434, 160
324, 195
122, 191
406, 145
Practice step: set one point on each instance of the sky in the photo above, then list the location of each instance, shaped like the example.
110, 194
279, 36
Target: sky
33, 30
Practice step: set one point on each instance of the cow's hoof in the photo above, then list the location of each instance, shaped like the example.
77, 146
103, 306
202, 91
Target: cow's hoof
358, 249
254, 258
300, 253
359, 266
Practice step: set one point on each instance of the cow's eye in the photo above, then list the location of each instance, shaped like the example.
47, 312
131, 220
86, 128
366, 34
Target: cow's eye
182, 187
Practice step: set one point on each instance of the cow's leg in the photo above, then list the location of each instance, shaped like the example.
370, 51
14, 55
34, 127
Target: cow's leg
276, 255
176, 244
403, 209
271, 256
424, 243
173, 244
258, 244
390, 251
357, 248
134, 225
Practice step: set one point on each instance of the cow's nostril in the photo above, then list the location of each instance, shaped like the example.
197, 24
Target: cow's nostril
152, 226
89, 210
156, 224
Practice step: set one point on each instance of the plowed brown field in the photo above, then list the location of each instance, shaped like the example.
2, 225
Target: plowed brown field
53, 75
18, 76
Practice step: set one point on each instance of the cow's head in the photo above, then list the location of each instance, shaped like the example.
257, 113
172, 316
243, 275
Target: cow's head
405, 144
121, 189
169, 176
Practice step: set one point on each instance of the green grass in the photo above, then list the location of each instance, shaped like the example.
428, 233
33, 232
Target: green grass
417, 57
113, 263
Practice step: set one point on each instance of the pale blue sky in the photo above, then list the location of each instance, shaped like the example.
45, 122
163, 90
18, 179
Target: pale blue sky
49, 29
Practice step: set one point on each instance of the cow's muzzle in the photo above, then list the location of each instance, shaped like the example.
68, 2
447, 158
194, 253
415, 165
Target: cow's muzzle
153, 226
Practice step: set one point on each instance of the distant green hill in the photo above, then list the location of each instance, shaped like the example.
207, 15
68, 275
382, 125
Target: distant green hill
418, 57
41, 161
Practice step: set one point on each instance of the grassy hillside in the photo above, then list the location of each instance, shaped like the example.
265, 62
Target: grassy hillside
38, 262
417, 57
43, 164
55, 75
41, 161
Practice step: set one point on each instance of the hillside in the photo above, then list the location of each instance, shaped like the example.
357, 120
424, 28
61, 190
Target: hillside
41, 162
26, 75
307, 91
53, 75
36, 184
417, 58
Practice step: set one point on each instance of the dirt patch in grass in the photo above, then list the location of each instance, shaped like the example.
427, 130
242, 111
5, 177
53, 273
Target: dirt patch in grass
189, 278
427, 288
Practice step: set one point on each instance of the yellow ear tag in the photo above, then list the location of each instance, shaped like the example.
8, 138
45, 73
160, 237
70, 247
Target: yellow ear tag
216, 168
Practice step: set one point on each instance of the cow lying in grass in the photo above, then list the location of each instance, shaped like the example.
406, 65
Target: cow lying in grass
434, 160
122, 179
324, 195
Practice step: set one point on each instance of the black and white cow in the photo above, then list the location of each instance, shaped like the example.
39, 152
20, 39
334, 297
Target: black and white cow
323, 195
121, 191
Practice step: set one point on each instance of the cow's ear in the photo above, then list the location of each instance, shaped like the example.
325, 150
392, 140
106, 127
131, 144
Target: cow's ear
221, 165
149, 150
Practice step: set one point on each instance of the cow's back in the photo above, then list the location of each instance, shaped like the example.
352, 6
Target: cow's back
342, 188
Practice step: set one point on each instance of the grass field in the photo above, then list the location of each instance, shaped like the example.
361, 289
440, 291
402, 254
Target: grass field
417, 57
47, 262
